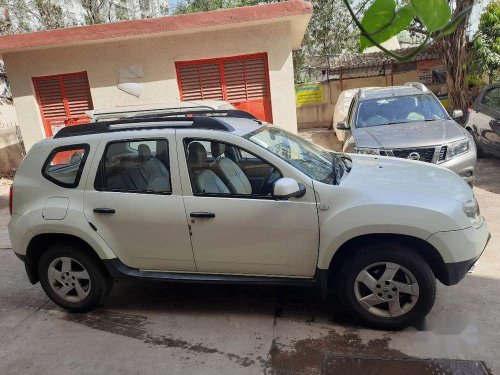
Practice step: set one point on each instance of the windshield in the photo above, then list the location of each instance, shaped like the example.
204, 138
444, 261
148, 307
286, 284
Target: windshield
397, 110
317, 163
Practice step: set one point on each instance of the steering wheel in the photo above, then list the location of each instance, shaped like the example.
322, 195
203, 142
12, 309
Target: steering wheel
267, 185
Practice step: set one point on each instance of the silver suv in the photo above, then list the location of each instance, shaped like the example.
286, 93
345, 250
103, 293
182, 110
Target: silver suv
219, 197
408, 122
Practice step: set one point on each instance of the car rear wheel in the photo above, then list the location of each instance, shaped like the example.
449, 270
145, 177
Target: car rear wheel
387, 286
72, 278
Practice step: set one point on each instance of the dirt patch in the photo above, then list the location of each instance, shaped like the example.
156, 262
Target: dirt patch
307, 356
136, 327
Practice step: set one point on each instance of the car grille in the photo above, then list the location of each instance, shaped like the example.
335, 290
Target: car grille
442, 153
426, 154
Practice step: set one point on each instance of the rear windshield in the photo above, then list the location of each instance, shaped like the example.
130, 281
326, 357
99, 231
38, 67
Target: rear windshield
398, 110
64, 165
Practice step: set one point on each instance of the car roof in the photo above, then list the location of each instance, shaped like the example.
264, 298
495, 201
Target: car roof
231, 121
385, 92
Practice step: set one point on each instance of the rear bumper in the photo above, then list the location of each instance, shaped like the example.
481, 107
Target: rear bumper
30, 272
455, 272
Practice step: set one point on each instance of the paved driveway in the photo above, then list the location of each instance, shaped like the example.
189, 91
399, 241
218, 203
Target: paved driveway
150, 328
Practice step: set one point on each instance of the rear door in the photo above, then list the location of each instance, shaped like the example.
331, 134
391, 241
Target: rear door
133, 198
243, 81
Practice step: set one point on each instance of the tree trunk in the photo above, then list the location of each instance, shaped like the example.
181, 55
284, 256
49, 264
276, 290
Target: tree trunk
453, 51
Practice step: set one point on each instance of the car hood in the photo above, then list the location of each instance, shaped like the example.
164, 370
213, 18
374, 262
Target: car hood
401, 175
409, 135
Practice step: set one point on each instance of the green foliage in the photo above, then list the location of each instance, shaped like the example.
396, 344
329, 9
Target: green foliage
485, 54
384, 19
434, 14
381, 21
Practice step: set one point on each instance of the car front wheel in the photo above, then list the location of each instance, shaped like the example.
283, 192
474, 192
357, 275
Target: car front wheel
387, 286
72, 278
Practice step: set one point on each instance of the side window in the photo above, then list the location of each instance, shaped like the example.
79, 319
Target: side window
139, 166
491, 98
218, 168
65, 164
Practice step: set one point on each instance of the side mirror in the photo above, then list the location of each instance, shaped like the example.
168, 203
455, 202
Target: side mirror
457, 113
286, 188
342, 125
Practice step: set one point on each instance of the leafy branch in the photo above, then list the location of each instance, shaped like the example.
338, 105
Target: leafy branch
382, 21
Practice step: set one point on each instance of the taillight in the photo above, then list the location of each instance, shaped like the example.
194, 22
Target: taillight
11, 195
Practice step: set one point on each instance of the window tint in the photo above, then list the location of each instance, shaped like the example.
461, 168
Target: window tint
491, 98
65, 164
399, 110
218, 168
136, 167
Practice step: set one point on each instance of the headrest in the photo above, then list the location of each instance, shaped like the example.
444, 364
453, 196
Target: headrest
217, 149
144, 152
197, 155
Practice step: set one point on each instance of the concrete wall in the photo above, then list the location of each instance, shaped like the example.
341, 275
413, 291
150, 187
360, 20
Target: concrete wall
10, 148
321, 115
157, 56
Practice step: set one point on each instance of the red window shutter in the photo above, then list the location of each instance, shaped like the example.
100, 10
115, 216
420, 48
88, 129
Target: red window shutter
50, 98
77, 92
63, 100
201, 81
245, 79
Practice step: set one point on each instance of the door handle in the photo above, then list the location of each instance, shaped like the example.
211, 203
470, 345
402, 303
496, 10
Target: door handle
104, 210
206, 215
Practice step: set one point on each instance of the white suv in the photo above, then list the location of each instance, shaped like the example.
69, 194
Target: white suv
222, 198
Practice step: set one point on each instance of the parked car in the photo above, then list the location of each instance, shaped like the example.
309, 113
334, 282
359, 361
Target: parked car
484, 120
227, 199
409, 122
341, 110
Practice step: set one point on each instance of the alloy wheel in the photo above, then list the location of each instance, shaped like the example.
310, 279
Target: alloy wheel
386, 289
69, 279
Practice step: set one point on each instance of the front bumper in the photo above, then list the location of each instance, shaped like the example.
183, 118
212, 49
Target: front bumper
460, 250
455, 272
463, 165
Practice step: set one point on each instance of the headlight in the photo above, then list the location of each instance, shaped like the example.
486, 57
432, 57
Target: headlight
457, 148
364, 150
471, 209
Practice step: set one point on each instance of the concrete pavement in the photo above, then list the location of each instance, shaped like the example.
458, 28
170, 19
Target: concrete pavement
154, 328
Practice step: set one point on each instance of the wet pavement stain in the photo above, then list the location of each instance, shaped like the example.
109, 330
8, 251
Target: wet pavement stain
306, 356
335, 364
135, 326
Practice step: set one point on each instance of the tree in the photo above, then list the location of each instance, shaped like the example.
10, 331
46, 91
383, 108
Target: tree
453, 51
96, 11
330, 32
485, 56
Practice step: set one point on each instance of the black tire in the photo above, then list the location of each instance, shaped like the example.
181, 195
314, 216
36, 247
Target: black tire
402, 255
100, 282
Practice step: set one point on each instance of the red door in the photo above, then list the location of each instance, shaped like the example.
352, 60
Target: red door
63, 100
243, 81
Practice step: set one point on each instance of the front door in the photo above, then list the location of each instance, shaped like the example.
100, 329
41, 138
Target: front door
136, 205
237, 227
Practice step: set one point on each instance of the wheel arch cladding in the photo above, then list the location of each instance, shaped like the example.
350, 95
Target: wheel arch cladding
41, 242
420, 246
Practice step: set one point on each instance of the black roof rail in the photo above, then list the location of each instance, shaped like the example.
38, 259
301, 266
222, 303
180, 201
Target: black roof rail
195, 122
192, 119
187, 112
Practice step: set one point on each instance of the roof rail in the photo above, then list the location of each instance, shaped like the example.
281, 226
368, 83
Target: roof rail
156, 122
177, 112
417, 85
